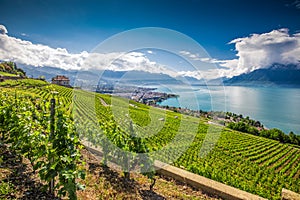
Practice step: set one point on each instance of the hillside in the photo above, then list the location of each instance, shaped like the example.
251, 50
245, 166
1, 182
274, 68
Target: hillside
277, 74
258, 165
11, 69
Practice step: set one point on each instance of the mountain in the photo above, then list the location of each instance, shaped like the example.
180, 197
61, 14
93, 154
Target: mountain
93, 77
193, 81
138, 77
277, 74
47, 72
217, 81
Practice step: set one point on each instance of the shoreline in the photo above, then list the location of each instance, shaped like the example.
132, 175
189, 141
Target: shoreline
153, 97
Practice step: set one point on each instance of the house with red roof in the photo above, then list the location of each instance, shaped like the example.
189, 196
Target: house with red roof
61, 80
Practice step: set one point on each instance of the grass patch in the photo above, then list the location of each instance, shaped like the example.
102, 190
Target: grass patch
6, 74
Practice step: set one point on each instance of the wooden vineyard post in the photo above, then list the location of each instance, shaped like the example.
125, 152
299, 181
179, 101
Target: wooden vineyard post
52, 129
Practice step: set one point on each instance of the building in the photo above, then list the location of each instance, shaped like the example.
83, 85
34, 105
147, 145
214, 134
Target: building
61, 80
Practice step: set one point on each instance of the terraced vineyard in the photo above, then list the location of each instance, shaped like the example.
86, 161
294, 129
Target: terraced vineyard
254, 164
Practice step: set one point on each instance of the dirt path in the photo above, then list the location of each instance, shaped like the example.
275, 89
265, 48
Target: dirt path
103, 102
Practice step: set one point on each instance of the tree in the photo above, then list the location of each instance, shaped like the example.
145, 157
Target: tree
264, 133
257, 124
241, 126
298, 138
252, 130
293, 138
42, 77
277, 134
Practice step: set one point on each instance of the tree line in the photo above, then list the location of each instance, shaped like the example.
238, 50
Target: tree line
274, 133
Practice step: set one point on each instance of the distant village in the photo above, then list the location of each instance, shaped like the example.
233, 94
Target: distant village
139, 94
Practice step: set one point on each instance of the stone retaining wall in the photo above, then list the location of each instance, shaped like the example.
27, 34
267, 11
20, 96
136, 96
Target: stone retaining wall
289, 195
206, 185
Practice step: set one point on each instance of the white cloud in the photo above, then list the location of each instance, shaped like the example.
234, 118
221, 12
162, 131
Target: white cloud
25, 52
256, 51
193, 56
197, 57
3, 30
263, 50
185, 53
194, 74
121, 61
205, 74
253, 52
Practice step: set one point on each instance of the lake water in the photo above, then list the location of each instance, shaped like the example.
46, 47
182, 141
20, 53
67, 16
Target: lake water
273, 106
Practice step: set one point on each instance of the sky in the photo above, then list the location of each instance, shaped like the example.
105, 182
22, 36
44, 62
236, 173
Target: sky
233, 36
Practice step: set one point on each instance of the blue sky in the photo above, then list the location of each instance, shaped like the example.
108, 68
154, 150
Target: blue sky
79, 25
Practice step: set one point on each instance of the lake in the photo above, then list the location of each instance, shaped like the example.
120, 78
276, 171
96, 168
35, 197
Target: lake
275, 107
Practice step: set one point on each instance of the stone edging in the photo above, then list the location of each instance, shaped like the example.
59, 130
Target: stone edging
205, 184
289, 195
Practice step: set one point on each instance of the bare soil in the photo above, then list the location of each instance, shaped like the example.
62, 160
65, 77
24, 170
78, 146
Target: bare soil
101, 182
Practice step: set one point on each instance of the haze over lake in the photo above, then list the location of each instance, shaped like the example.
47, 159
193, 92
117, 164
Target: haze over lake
275, 107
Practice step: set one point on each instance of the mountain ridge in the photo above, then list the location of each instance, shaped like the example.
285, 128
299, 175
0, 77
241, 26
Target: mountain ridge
109, 76
275, 75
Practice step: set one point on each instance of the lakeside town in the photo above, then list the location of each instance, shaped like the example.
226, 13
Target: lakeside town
139, 94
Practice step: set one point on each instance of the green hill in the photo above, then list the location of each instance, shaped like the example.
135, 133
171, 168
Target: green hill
11, 69
251, 163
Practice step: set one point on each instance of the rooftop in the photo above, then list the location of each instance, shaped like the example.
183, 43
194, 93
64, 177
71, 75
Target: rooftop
60, 78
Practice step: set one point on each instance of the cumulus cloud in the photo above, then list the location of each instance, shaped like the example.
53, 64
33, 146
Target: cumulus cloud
253, 52
121, 61
138, 61
257, 51
263, 50
3, 29
25, 52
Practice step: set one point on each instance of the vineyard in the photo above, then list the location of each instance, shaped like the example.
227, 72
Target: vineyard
257, 165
